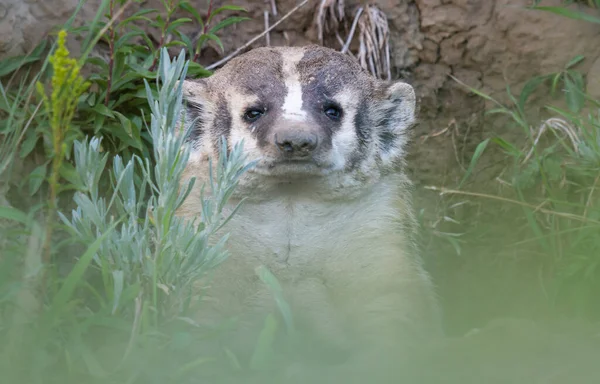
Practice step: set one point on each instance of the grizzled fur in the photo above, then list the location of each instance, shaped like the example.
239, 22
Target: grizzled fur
334, 224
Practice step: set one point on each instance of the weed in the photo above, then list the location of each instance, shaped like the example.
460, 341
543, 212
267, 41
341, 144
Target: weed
553, 178
125, 302
67, 87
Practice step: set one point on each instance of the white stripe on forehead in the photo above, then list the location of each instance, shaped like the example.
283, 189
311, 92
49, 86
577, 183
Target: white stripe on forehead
292, 105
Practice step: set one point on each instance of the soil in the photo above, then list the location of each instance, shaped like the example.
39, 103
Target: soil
486, 44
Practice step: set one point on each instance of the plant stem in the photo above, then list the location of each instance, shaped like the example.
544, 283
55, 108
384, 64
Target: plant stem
111, 47
210, 5
53, 182
204, 29
52, 207
162, 35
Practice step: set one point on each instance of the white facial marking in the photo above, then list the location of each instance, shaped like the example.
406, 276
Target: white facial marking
239, 130
344, 140
292, 105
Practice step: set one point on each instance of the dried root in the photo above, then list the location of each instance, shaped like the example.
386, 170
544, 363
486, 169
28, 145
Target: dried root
374, 34
374, 46
329, 15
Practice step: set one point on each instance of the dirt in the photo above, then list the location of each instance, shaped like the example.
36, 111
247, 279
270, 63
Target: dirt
483, 43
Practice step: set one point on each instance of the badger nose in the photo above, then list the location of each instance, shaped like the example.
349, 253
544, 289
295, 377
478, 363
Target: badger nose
296, 143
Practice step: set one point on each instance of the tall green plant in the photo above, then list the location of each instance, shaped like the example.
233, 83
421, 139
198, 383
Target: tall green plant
134, 284
110, 106
67, 87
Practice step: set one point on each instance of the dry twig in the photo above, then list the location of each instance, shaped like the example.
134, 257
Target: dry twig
556, 124
352, 30
536, 208
254, 39
267, 36
374, 49
328, 17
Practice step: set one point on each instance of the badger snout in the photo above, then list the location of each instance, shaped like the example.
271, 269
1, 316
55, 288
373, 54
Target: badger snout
296, 143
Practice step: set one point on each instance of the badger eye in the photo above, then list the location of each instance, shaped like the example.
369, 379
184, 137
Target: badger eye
332, 112
253, 114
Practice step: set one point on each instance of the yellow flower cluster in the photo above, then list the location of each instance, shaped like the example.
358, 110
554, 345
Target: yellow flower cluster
67, 86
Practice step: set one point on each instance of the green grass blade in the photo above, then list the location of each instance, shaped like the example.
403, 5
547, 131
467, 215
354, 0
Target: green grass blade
66, 290
577, 15
478, 152
264, 347
13, 214
273, 284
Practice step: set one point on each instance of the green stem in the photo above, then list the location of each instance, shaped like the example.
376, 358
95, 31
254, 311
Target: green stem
111, 60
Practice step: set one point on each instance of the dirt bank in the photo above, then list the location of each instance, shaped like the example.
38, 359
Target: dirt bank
485, 43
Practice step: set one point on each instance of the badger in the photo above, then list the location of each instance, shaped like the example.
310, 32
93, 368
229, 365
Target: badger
327, 204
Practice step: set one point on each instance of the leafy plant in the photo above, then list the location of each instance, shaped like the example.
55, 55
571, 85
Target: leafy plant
67, 86
135, 280
571, 80
111, 105
132, 283
112, 109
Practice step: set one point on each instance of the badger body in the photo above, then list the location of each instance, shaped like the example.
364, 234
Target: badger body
327, 206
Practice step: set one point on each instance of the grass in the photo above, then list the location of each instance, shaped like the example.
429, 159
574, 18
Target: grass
550, 203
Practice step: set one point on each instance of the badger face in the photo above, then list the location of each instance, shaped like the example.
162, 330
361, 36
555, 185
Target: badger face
304, 113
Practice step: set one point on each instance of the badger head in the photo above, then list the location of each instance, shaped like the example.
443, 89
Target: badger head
308, 115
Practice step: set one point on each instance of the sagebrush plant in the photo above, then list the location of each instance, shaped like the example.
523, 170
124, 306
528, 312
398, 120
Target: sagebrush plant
39, 128
152, 251
553, 179
133, 285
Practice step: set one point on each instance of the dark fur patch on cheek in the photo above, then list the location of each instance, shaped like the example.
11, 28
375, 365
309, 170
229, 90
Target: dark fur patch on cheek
386, 124
363, 129
387, 140
222, 124
361, 124
270, 91
194, 116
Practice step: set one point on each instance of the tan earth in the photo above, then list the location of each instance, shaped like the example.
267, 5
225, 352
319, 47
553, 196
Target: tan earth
484, 43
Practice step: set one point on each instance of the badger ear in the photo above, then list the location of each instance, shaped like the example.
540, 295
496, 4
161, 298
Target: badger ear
196, 107
395, 116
